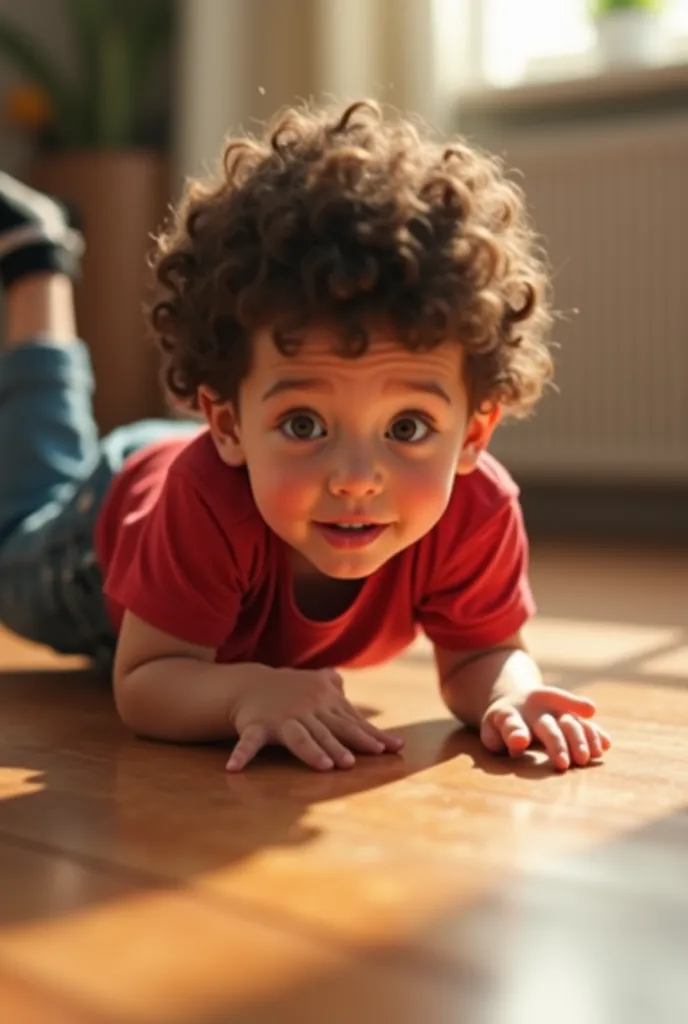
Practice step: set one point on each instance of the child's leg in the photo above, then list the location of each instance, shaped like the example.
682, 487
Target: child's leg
39, 306
53, 468
48, 439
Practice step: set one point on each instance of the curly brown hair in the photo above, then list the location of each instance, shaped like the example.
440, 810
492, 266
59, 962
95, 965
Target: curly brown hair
348, 218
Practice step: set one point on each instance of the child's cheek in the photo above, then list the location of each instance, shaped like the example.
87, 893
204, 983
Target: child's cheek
284, 493
423, 494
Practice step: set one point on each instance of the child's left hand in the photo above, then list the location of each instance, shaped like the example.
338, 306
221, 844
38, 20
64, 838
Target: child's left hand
557, 718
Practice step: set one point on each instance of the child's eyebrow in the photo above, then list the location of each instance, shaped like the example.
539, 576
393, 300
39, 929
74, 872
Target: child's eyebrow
297, 384
426, 387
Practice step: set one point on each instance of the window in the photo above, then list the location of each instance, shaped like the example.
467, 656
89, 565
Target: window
520, 37
504, 42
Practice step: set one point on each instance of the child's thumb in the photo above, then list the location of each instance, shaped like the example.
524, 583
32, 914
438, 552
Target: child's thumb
562, 702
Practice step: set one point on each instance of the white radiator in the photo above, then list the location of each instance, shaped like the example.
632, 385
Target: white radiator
612, 206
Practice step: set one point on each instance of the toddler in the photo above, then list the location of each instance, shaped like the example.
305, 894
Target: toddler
349, 308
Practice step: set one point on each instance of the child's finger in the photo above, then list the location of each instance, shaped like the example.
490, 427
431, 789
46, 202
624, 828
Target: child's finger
550, 735
577, 739
388, 739
490, 736
598, 739
324, 736
605, 738
513, 730
352, 732
297, 738
594, 741
252, 739
554, 701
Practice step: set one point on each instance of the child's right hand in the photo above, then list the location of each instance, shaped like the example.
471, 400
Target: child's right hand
306, 712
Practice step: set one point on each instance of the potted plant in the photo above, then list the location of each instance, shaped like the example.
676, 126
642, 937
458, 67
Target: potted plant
99, 144
629, 32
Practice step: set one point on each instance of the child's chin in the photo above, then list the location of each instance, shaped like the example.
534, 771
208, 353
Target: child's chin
349, 568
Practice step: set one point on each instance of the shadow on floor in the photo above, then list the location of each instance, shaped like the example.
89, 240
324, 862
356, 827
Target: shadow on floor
73, 779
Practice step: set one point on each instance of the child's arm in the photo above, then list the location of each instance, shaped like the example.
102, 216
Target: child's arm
168, 689
499, 690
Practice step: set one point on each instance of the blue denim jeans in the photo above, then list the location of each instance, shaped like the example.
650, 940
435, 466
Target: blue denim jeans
54, 472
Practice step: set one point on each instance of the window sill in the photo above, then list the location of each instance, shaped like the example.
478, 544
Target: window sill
637, 85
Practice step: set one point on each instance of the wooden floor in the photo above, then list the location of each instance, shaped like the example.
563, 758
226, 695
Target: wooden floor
140, 883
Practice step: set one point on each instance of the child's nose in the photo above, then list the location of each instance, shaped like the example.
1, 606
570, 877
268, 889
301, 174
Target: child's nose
356, 475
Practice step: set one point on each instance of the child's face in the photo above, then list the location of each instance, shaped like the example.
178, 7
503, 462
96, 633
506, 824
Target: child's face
351, 460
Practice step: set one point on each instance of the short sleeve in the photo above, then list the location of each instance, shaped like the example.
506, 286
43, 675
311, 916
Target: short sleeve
477, 591
176, 568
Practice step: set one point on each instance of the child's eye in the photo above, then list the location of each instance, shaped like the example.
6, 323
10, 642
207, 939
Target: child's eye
410, 429
301, 426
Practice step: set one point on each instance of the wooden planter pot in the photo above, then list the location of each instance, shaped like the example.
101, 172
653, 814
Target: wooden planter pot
122, 199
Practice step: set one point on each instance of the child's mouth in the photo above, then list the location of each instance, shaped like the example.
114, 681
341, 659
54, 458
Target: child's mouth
350, 535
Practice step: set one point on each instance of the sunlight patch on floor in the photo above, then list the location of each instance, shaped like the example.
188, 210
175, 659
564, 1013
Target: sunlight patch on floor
671, 663
16, 781
577, 643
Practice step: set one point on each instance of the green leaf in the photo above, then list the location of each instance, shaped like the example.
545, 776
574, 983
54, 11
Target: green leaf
88, 23
153, 32
116, 105
117, 43
601, 7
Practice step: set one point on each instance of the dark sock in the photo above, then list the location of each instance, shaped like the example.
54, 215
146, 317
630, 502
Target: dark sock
38, 258
37, 234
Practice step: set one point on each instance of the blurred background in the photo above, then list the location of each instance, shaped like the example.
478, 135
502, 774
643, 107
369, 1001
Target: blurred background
111, 103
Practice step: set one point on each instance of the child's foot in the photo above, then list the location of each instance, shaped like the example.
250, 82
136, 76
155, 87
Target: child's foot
36, 234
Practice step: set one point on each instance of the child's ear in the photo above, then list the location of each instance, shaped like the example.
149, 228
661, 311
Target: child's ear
478, 433
223, 422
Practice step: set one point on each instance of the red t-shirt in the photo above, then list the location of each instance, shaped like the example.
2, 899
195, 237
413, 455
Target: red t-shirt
183, 546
